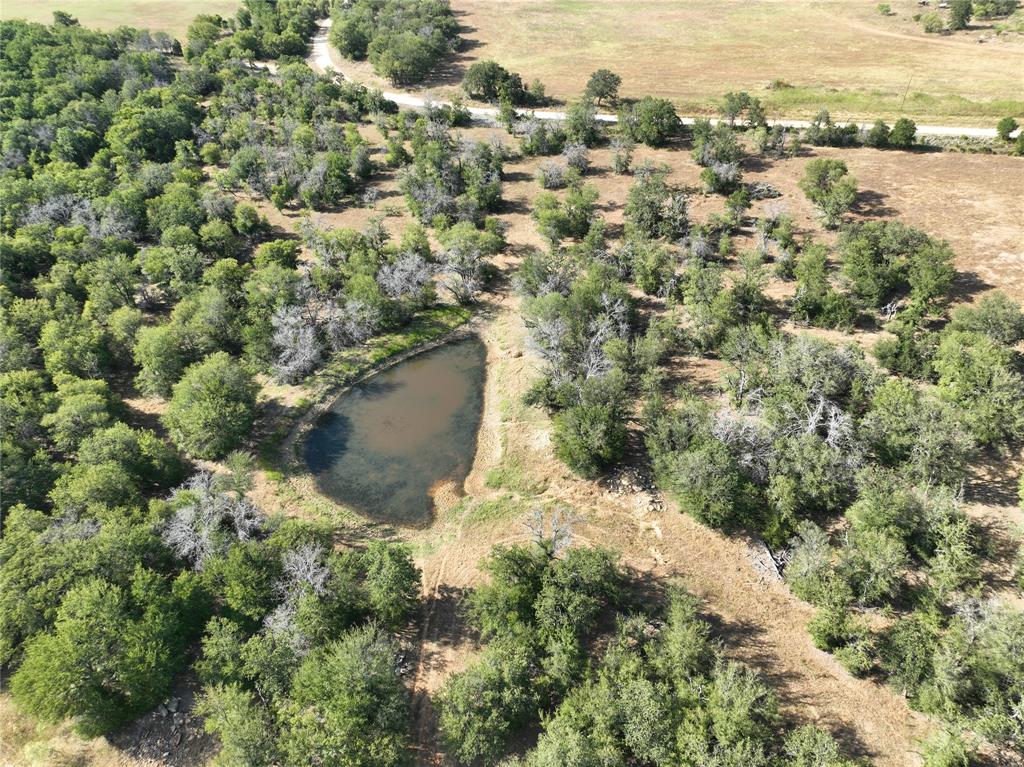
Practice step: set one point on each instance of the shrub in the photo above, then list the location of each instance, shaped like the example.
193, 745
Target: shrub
932, 22
1005, 127
213, 407
830, 188
489, 81
551, 175
947, 749
650, 121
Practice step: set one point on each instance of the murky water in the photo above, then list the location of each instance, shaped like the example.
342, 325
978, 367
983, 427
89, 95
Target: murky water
388, 442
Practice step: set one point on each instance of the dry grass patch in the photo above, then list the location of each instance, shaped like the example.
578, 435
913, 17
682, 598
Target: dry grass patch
838, 54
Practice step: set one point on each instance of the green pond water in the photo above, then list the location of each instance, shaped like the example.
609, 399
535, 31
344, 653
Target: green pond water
387, 443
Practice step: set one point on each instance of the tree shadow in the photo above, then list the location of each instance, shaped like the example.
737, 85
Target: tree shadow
991, 483
966, 285
871, 204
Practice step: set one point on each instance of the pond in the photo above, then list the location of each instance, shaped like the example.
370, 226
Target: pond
388, 443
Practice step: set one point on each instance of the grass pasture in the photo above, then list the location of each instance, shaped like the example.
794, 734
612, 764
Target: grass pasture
172, 17
838, 54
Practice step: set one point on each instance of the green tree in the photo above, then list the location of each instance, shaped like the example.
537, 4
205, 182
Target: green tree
243, 728
489, 81
112, 655
1005, 128
903, 133
960, 12
83, 406
830, 188
213, 407
482, 706
650, 121
349, 701
603, 85
981, 376
996, 315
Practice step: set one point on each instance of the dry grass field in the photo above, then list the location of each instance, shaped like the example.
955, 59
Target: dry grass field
156, 15
837, 54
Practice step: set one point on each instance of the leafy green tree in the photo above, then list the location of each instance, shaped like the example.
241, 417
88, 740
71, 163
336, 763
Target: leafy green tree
981, 376
740, 706
403, 58
222, 661
106, 484
650, 121
589, 437
947, 749
603, 85
213, 407
830, 188
903, 133
878, 136
489, 81
709, 485
1005, 128
482, 706
931, 273
112, 655
960, 12
149, 460
162, 353
581, 124
996, 315
242, 727
874, 563
505, 603
348, 700
391, 583
73, 345
809, 746
83, 406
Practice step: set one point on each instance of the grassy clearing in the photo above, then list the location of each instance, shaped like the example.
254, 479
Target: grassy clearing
513, 473
838, 54
171, 17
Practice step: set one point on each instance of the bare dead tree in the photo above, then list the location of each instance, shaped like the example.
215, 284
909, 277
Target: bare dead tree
407, 276
297, 343
208, 520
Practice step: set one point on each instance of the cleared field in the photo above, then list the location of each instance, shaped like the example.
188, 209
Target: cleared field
837, 54
171, 17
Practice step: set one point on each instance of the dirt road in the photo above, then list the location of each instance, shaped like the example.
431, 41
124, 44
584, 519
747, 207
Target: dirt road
322, 59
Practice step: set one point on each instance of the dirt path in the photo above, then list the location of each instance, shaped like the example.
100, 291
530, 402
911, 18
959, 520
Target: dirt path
322, 59
760, 621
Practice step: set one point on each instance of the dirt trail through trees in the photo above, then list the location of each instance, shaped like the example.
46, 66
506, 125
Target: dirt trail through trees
760, 621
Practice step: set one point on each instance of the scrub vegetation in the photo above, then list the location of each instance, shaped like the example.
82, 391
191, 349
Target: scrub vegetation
726, 319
